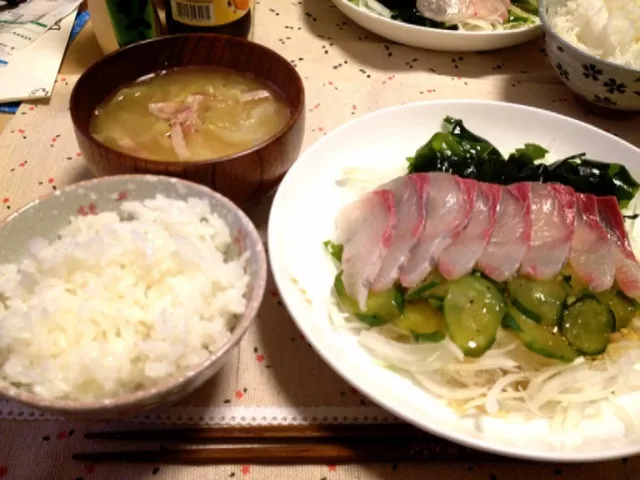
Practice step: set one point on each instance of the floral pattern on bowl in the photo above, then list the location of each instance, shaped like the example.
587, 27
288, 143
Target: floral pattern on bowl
599, 81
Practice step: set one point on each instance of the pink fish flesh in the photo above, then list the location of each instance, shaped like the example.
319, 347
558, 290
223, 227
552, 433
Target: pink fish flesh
365, 229
591, 255
626, 265
553, 210
455, 11
510, 238
449, 207
462, 254
410, 194
402, 230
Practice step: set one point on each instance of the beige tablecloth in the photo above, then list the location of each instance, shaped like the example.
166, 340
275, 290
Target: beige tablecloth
275, 377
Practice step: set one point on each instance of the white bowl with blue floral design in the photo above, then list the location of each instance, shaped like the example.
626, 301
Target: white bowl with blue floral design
599, 81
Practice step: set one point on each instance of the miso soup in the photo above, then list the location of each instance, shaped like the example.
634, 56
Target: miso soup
190, 114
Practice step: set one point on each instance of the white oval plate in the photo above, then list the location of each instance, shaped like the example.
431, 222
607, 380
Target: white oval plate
432, 38
302, 217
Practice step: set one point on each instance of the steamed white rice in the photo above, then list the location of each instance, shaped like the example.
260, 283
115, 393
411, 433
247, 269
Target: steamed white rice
608, 29
121, 301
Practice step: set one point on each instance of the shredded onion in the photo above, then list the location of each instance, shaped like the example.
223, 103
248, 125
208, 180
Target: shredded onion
443, 389
492, 404
412, 357
632, 426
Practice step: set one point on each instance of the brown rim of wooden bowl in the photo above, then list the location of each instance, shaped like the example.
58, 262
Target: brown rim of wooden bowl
296, 110
136, 400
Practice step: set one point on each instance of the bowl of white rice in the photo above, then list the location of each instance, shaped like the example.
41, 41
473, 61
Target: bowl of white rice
594, 46
123, 293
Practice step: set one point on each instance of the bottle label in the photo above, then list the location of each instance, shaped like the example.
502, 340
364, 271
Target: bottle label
208, 13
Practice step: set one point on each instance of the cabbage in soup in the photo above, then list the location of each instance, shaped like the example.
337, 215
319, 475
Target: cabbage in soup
190, 114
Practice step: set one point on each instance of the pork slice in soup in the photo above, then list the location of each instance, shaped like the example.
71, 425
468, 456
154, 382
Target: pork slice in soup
190, 114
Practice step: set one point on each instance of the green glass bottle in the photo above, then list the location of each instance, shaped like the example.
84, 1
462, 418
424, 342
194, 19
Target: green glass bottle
133, 20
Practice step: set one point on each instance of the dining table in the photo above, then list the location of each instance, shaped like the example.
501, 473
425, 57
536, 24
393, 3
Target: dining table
275, 377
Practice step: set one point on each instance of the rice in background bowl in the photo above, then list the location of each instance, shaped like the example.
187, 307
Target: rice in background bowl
594, 46
607, 29
174, 291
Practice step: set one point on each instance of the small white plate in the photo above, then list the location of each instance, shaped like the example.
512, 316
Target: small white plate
433, 38
303, 215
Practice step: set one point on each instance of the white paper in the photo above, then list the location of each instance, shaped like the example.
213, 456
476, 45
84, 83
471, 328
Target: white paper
32, 72
22, 25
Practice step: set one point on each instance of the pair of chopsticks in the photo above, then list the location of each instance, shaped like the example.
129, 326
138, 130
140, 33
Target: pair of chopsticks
286, 444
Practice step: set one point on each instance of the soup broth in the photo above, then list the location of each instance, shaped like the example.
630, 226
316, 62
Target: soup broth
190, 114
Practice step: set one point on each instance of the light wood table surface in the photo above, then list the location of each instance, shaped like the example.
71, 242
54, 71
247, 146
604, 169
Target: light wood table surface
274, 376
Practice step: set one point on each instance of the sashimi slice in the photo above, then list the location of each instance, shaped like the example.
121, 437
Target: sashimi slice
453, 11
553, 211
511, 235
448, 212
627, 269
461, 255
410, 194
591, 255
365, 229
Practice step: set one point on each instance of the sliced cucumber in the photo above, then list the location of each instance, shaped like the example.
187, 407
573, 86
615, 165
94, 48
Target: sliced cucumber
622, 307
573, 286
541, 301
473, 310
587, 325
481, 274
433, 337
537, 338
381, 308
434, 287
423, 322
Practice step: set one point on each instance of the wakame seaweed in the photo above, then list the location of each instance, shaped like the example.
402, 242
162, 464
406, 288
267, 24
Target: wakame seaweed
459, 151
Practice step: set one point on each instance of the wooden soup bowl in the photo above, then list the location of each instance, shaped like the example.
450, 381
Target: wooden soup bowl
243, 177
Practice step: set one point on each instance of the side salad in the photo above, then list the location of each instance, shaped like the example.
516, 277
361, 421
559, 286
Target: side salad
519, 14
